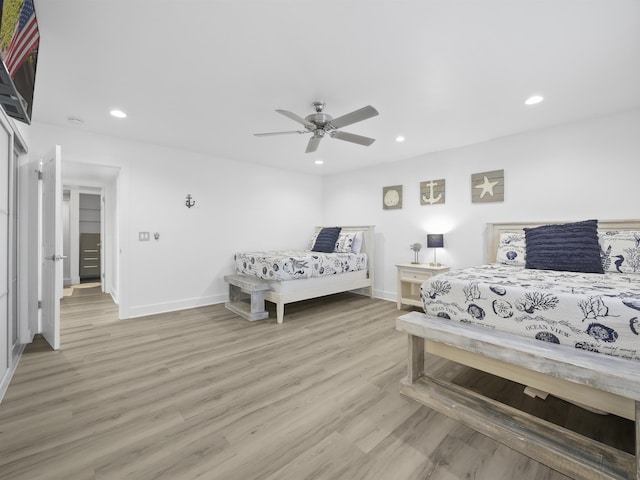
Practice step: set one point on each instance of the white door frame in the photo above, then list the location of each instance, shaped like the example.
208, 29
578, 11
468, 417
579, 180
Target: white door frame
28, 248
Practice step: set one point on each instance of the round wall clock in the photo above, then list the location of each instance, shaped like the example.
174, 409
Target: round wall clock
392, 197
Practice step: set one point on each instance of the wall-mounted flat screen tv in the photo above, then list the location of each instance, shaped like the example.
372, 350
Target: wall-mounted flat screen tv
19, 39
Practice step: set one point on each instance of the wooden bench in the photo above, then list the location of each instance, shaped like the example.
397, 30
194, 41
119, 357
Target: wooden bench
561, 449
246, 296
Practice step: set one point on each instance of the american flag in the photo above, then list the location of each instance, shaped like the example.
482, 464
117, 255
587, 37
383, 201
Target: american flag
25, 38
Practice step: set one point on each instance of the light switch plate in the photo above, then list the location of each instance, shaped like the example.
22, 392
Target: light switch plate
143, 236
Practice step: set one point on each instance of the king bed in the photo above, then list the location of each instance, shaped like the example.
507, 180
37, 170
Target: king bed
284, 277
571, 331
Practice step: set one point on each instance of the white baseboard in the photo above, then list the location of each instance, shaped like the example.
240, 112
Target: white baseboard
383, 295
8, 374
143, 310
114, 294
152, 309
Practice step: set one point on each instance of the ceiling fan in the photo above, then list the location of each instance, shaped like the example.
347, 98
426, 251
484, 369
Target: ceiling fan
321, 124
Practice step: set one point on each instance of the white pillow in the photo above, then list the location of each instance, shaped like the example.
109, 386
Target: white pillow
314, 237
345, 242
348, 242
620, 251
512, 249
357, 242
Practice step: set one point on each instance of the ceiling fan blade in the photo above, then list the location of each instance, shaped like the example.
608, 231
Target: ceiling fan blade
312, 146
279, 133
297, 118
353, 117
351, 137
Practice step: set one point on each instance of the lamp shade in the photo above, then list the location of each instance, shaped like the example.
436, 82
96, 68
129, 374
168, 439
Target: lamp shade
435, 240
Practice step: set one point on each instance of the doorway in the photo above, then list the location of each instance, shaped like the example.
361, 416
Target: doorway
83, 238
90, 211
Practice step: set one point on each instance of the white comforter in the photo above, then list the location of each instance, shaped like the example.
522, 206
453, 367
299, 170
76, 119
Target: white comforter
296, 264
594, 312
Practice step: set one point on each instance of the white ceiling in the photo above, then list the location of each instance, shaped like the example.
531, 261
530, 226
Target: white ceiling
205, 75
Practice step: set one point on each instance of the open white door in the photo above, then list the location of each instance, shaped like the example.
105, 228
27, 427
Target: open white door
52, 276
103, 230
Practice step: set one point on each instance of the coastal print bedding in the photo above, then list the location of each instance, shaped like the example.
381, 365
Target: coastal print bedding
295, 265
589, 311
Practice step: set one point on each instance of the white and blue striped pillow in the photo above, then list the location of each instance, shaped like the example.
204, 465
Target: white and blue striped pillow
326, 240
570, 247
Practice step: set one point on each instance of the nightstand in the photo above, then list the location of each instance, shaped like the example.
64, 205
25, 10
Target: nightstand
410, 277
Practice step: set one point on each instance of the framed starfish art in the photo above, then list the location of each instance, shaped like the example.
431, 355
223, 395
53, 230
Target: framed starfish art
487, 187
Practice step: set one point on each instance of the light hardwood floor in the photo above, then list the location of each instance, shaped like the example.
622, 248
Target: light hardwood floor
203, 393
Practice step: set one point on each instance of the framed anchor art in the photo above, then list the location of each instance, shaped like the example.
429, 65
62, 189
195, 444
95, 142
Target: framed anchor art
432, 192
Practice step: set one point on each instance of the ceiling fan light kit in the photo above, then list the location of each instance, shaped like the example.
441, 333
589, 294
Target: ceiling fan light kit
320, 124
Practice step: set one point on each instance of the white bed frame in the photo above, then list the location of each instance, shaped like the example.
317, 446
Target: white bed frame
283, 292
597, 381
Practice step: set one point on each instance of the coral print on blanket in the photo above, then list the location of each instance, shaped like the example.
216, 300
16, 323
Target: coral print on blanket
294, 265
588, 311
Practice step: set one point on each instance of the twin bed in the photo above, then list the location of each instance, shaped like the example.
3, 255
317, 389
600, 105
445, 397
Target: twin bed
290, 276
574, 335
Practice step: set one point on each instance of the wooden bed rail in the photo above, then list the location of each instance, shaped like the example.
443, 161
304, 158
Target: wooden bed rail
564, 450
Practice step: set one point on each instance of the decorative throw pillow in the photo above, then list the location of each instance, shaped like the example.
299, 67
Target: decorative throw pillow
620, 251
345, 242
313, 240
511, 249
357, 242
326, 241
571, 247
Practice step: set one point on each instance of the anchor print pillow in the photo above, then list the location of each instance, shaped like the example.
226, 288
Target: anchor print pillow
620, 251
512, 249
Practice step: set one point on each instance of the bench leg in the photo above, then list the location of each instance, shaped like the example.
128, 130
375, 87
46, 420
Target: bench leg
257, 302
415, 359
247, 304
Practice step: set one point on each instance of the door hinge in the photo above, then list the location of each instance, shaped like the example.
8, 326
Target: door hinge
40, 174
39, 304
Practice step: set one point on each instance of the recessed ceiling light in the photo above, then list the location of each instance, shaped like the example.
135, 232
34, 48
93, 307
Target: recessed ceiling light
533, 100
118, 114
319, 162
399, 139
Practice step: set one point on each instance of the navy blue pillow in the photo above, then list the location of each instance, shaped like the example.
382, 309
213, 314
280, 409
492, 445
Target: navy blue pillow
570, 247
326, 241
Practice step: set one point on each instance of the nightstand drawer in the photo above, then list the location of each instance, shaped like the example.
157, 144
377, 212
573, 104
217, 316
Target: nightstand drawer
407, 276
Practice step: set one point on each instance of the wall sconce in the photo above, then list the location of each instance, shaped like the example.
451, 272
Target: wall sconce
435, 241
189, 203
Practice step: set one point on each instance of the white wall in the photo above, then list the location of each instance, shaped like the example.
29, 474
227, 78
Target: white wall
583, 170
239, 206
571, 172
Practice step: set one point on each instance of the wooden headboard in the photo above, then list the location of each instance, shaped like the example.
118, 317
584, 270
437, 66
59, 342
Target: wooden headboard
368, 242
495, 229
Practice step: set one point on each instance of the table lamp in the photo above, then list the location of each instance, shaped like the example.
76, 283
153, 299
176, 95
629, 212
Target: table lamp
435, 241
